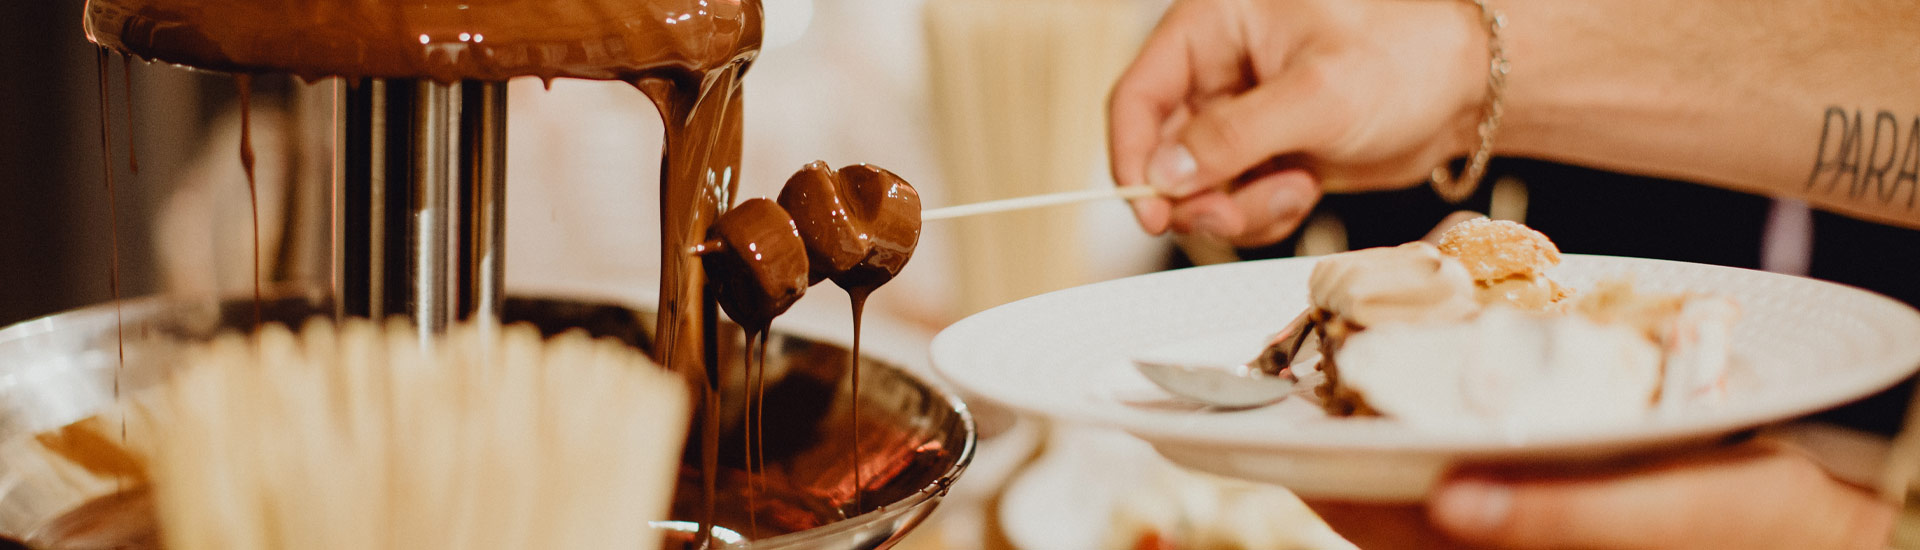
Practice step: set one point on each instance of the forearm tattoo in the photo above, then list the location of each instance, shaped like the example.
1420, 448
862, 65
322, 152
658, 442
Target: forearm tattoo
1870, 157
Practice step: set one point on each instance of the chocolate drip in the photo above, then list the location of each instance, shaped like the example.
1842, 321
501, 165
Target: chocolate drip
709, 419
753, 450
759, 430
126, 79
859, 299
244, 83
746, 436
113, 229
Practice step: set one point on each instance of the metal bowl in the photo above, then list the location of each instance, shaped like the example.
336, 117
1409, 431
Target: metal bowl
915, 438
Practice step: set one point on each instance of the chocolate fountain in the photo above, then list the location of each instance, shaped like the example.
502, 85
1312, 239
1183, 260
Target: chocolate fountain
418, 209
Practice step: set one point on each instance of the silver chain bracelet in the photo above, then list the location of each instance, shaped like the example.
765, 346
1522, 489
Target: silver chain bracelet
1456, 190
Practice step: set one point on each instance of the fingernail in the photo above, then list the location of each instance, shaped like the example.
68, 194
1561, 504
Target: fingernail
1472, 507
1170, 168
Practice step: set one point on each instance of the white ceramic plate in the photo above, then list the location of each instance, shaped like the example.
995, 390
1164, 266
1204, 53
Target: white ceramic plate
1800, 346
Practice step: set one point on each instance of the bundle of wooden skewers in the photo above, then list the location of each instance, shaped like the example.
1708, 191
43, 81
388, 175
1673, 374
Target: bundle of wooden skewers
362, 435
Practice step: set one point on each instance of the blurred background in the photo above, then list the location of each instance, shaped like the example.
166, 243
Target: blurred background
968, 99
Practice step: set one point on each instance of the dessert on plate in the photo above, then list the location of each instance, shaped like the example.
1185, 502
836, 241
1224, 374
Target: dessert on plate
1474, 328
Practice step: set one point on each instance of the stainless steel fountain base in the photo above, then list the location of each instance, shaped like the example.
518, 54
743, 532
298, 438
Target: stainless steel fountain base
915, 438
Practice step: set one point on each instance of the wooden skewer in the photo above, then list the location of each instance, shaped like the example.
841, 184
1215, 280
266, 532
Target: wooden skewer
1035, 201
989, 207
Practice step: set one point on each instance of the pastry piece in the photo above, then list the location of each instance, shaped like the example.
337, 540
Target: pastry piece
1409, 283
1498, 249
1508, 262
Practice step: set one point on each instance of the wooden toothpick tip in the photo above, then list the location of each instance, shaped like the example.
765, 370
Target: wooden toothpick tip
1036, 201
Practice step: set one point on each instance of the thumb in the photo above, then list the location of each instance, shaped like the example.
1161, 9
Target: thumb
1228, 137
1757, 496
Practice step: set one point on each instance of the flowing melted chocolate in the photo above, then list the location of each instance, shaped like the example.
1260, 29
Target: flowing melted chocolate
703, 135
113, 224
126, 80
245, 85
859, 299
757, 452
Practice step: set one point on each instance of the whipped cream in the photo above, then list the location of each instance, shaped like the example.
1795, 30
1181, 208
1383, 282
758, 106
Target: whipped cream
1518, 369
1410, 283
